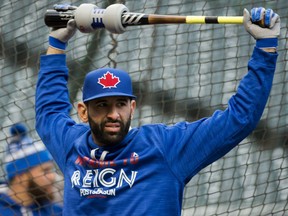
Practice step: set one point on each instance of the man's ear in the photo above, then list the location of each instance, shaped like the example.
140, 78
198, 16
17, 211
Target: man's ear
82, 112
133, 107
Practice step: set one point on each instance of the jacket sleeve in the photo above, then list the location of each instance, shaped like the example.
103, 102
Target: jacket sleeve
198, 144
53, 121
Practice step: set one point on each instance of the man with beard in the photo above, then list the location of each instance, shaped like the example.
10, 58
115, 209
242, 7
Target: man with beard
30, 178
112, 169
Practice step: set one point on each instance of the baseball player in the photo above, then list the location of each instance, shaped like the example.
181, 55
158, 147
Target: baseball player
30, 177
112, 169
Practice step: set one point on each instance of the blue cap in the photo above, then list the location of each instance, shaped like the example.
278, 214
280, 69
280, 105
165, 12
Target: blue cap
106, 82
23, 153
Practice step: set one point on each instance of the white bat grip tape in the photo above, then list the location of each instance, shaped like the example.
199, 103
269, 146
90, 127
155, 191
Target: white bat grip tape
112, 18
89, 17
84, 17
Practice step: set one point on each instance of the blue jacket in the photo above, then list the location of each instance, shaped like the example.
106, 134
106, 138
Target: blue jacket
146, 173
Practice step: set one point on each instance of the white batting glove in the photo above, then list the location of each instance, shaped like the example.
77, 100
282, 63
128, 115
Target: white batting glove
59, 38
266, 36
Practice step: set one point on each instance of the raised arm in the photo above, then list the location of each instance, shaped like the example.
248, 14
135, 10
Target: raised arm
52, 97
200, 143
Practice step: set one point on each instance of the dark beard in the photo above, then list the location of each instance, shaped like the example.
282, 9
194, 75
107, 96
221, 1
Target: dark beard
109, 139
39, 195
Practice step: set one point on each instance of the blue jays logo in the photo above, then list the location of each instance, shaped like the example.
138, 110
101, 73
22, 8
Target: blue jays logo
108, 80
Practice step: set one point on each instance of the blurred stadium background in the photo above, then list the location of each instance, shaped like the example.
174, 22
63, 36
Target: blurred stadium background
180, 72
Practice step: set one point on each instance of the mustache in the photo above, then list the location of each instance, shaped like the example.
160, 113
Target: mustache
112, 121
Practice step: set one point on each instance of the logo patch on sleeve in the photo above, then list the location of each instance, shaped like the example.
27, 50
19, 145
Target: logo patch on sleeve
108, 80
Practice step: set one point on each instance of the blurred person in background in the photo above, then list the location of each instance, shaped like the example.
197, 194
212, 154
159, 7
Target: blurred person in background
30, 174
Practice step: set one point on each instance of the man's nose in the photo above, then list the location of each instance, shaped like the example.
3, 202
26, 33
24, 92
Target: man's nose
51, 176
113, 113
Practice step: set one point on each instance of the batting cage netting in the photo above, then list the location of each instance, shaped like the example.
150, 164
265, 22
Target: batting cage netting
180, 72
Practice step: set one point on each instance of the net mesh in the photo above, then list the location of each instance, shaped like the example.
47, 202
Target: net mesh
180, 72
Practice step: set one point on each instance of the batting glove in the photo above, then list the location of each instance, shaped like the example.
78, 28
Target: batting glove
266, 36
59, 38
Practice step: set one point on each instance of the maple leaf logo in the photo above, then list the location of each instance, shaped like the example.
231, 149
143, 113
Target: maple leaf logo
108, 80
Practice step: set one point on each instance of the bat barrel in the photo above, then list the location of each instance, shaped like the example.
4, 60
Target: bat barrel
214, 19
130, 19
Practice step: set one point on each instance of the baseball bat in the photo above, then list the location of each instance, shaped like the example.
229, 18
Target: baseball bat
117, 17
54, 18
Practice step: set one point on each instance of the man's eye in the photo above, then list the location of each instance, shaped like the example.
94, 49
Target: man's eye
121, 104
101, 105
